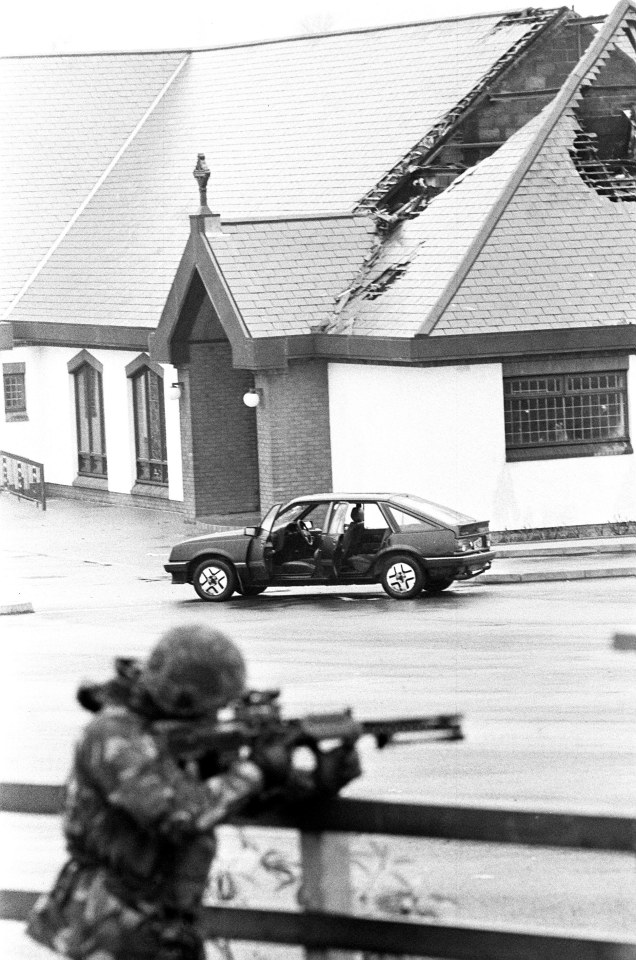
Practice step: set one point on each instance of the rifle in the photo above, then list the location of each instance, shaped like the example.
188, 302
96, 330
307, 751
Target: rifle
256, 718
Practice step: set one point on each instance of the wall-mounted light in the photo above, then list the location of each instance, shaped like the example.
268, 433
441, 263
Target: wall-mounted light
252, 398
175, 390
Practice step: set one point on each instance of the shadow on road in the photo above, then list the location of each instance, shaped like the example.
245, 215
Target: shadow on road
330, 601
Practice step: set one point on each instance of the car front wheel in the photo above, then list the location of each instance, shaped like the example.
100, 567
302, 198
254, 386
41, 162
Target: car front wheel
402, 577
214, 580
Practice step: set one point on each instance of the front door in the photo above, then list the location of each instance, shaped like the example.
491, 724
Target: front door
260, 552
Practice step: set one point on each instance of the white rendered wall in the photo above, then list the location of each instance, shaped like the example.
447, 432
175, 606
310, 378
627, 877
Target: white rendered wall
438, 432
49, 435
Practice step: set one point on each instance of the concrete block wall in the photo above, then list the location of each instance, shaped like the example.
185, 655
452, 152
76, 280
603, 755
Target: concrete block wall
294, 449
598, 102
543, 68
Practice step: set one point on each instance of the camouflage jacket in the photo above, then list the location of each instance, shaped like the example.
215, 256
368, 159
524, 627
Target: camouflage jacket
133, 810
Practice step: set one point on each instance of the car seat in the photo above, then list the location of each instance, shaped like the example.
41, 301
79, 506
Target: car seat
351, 541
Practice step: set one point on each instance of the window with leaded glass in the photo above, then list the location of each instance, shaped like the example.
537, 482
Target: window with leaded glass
89, 414
150, 427
575, 413
13, 377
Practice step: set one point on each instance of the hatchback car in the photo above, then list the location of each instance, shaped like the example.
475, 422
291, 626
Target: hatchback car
403, 542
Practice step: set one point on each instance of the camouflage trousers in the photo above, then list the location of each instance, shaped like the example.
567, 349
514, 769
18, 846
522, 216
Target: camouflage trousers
83, 919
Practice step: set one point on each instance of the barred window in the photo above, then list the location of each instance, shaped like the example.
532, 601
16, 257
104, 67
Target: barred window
14, 393
89, 414
569, 414
150, 427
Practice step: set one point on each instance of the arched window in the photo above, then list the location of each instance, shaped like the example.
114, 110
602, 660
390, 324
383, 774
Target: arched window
150, 421
89, 415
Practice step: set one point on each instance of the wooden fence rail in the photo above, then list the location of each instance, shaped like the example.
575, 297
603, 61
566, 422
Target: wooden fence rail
322, 925
490, 824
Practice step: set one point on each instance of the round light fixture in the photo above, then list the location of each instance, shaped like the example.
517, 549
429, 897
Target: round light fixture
251, 398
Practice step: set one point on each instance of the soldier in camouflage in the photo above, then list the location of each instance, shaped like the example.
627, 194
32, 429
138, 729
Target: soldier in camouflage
139, 824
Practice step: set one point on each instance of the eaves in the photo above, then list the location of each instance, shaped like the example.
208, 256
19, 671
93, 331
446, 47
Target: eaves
275, 353
278, 352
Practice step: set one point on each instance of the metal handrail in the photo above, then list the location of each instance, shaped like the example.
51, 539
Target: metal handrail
22, 477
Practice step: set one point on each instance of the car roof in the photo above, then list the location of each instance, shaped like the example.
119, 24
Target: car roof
335, 497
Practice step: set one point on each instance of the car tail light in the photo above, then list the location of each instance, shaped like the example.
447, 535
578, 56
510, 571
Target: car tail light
470, 544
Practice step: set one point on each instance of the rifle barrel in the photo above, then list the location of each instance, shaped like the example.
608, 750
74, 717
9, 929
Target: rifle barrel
385, 730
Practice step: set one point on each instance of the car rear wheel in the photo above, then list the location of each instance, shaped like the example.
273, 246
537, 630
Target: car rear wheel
214, 580
437, 584
402, 577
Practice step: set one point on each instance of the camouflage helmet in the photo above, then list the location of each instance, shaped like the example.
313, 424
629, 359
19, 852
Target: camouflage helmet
193, 670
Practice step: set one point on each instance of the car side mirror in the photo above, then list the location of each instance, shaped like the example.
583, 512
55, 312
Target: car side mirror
250, 531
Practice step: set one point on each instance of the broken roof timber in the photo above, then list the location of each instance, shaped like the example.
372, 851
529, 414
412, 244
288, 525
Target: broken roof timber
553, 113
444, 129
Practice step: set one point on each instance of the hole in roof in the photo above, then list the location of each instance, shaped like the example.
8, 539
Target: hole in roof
604, 154
376, 287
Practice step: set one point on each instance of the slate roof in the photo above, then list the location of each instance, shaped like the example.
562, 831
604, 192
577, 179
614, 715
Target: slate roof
285, 275
509, 249
432, 247
62, 122
560, 256
98, 162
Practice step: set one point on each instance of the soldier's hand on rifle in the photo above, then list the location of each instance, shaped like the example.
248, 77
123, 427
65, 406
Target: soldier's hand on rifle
336, 768
274, 761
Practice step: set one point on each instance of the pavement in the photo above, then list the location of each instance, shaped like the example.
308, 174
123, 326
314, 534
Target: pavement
35, 542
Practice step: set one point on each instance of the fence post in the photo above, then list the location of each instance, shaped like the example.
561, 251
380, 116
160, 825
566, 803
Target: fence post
326, 883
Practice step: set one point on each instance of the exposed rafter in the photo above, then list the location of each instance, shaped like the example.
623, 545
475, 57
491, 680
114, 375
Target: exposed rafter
539, 21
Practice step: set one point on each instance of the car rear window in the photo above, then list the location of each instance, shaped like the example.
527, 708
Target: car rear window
435, 511
408, 523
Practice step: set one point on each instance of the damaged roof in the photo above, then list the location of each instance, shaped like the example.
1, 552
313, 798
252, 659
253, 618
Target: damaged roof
98, 184
561, 255
428, 250
285, 275
522, 241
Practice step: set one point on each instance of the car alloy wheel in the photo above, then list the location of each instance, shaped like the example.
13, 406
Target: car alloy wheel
214, 580
402, 578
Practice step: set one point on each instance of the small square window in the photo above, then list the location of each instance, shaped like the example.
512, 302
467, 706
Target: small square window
14, 391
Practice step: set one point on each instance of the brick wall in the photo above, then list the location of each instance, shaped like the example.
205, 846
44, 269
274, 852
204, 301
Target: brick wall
220, 460
294, 448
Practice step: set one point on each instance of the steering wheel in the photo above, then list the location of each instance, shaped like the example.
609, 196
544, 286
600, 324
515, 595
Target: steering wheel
305, 532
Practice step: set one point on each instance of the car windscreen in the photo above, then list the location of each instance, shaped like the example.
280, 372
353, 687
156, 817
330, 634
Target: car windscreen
433, 510
269, 518
289, 515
